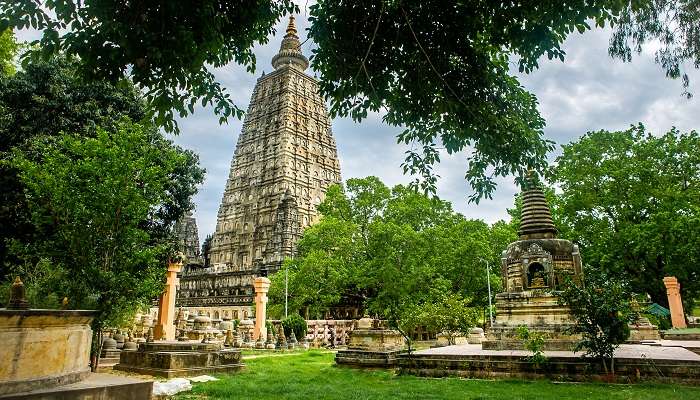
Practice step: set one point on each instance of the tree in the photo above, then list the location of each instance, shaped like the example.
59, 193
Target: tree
397, 253
93, 202
49, 98
449, 314
602, 310
8, 52
167, 48
448, 86
632, 202
672, 25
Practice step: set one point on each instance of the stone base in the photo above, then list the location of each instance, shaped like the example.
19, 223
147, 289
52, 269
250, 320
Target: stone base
367, 359
176, 359
94, 387
540, 312
514, 344
643, 333
633, 363
376, 340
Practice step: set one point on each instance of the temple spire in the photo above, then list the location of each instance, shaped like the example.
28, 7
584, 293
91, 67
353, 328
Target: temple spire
290, 50
292, 28
536, 218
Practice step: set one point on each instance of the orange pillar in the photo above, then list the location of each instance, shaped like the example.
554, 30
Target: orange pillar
262, 286
165, 328
673, 290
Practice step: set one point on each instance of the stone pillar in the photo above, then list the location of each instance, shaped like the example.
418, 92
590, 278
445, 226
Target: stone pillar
673, 290
165, 328
262, 286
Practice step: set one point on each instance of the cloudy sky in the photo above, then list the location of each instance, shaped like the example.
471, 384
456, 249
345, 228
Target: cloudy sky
588, 91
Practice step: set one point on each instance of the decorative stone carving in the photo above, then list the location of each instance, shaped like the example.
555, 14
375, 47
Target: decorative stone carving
284, 161
533, 270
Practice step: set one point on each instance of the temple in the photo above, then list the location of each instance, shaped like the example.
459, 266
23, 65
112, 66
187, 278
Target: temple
533, 271
284, 161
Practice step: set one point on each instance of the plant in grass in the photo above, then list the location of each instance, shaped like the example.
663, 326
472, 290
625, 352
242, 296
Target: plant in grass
296, 323
534, 342
602, 309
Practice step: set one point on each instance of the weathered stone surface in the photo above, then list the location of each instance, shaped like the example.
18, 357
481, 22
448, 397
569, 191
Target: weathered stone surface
632, 363
188, 239
175, 359
675, 305
533, 270
94, 387
285, 159
43, 348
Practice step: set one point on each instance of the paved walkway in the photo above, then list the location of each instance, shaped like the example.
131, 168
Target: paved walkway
639, 351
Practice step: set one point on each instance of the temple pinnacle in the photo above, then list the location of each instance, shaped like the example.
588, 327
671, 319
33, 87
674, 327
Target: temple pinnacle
290, 50
536, 218
291, 27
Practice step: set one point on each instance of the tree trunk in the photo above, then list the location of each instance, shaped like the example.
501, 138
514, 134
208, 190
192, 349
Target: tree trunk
95, 349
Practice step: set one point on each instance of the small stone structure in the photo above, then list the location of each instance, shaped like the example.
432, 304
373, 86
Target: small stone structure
371, 345
176, 359
165, 328
533, 270
45, 354
673, 290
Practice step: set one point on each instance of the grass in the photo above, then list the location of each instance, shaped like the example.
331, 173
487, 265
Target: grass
313, 375
682, 331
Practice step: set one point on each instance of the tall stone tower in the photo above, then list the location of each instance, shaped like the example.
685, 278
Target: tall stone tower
285, 159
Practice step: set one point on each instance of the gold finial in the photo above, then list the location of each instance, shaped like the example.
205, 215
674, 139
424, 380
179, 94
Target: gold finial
291, 27
17, 296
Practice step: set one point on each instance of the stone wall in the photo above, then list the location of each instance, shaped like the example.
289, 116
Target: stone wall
43, 348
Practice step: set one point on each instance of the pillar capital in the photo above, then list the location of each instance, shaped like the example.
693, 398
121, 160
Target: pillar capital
261, 284
675, 305
671, 283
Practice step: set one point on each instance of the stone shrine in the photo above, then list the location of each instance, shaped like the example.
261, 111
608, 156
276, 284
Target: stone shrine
285, 159
188, 239
533, 270
371, 344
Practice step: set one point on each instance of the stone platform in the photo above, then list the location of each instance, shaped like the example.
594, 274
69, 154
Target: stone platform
367, 358
177, 359
632, 363
94, 387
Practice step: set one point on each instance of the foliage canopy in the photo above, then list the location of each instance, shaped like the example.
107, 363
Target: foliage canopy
395, 253
631, 200
91, 201
442, 73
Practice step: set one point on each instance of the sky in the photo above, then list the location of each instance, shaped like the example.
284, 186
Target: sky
588, 91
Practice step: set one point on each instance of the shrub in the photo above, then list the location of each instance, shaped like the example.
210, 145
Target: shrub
297, 323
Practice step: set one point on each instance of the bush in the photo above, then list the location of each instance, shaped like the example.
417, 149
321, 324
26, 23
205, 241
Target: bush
297, 323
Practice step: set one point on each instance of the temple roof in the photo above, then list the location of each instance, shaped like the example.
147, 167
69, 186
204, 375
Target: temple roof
536, 218
290, 50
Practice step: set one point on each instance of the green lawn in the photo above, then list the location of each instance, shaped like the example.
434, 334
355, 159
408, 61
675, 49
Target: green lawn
313, 375
687, 331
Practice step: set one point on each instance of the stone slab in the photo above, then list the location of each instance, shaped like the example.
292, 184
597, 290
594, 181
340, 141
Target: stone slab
179, 363
632, 363
94, 387
367, 359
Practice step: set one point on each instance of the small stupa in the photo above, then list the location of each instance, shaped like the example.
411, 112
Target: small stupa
533, 272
